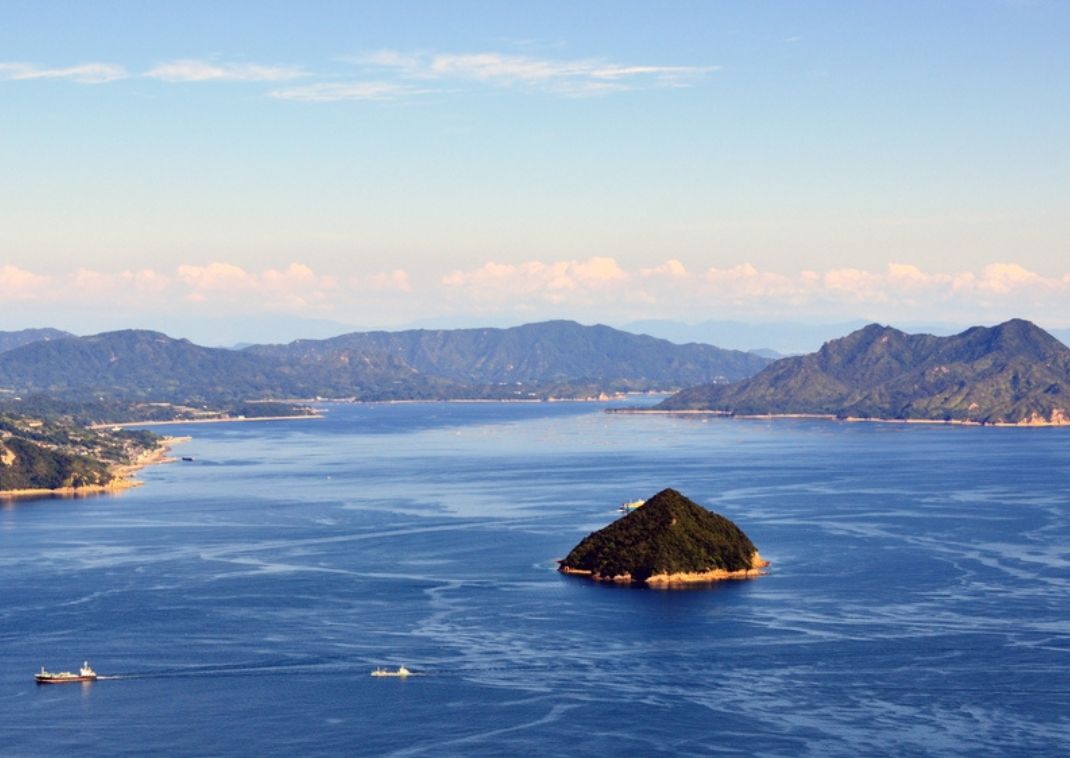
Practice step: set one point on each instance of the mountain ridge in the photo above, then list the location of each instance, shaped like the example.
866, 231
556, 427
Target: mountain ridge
16, 339
134, 364
550, 359
1013, 373
540, 353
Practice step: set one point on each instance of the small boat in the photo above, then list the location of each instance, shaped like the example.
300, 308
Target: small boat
402, 672
630, 506
85, 674
187, 458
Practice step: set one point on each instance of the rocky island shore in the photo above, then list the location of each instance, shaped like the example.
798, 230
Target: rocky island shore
669, 541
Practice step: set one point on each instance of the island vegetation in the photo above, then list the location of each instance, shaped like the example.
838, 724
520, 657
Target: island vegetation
669, 540
1014, 373
39, 455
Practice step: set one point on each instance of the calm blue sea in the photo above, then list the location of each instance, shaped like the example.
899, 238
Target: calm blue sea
918, 601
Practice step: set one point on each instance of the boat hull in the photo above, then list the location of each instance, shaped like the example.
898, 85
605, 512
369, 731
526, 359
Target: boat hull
62, 679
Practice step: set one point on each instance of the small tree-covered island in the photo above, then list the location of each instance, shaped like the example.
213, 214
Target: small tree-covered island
669, 541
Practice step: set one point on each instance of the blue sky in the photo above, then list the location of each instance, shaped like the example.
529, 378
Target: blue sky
382, 164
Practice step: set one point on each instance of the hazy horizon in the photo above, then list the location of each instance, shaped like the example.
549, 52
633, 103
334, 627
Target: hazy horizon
383, 166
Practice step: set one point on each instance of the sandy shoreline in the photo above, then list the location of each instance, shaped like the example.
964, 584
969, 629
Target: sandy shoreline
1060, 421
123, 474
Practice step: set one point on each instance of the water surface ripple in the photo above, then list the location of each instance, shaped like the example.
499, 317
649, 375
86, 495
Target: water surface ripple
918, 602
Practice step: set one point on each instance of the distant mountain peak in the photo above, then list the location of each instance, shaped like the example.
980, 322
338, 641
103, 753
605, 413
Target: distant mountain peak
12, 340
1014, 372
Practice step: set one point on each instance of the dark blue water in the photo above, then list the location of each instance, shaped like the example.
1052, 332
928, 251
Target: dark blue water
918, 601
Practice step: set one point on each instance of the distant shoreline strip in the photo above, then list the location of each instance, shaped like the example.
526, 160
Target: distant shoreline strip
1032, 423
226, 420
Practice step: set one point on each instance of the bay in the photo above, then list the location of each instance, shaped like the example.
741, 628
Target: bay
918, 600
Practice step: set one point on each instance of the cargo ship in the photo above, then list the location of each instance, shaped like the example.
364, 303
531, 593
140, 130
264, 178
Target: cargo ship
85, 674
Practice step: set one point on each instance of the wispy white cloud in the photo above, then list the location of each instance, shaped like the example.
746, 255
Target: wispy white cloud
184, 70
327, 92
193, 70
394, 74
585, 76
82, 73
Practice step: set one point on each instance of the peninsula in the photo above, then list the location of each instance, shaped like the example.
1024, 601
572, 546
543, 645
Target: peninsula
670, 541
1011, 374
41, 457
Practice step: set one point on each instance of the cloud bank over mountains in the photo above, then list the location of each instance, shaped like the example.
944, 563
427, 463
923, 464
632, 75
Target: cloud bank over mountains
597, 288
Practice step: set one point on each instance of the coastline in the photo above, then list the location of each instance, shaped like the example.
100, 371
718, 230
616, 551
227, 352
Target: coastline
122, 473
679, 579
1058, 419
605, 397
226, 420
528, 400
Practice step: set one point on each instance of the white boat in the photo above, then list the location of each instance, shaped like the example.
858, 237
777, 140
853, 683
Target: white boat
630, 506
402, 672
